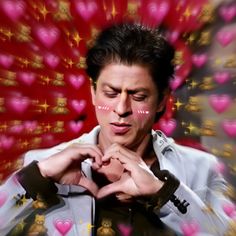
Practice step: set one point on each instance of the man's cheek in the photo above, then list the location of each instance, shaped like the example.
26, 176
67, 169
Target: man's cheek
103, 107
142, 113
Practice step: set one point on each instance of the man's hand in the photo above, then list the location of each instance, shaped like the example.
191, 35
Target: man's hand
65, 167
136, 180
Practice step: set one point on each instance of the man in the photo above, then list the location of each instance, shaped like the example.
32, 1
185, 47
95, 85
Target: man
135, 177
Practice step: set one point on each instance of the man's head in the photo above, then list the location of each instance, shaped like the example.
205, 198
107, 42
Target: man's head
130, 66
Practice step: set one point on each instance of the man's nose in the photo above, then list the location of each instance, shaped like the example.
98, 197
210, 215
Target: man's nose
123, 106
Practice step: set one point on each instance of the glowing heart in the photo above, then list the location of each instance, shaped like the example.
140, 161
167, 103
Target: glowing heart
76, 80
6, 142
227, 13
229, 209
52, 60
125, 229
48, 35
86, 9
219, 167
6, 60
113, 170
225, 37
3, 198
16, 129
167, 126
27, 77
78, 105
30, 126
13, 9
76, 126
229, 127
189, 228
172, 36
176, 82
63, 226
19, 104
158, 10
220, 102
199, 59
222, 77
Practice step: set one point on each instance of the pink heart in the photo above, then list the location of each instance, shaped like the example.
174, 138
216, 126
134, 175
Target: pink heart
17, 129
30, 126
189, 228
229, 209
229, 127
125, 229
6, 142
76, 126
175, 82
172, 36
52, 60
221, 77
14, 9
86, 9
220, 102
78, 105
63, 226
27, 77
158, 10
6, 60
220, 167
47, 35
167, 126
199, 59
76, 80
19, 104
227, 12
3, 198
225, 37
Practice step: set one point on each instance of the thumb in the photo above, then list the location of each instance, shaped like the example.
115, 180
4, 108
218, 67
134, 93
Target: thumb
109, 189
88, 184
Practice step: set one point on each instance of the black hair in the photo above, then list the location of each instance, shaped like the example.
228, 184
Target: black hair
129, 44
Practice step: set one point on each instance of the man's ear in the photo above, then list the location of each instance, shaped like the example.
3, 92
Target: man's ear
92, 90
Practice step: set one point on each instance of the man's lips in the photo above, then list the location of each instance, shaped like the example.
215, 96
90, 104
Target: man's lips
120, 128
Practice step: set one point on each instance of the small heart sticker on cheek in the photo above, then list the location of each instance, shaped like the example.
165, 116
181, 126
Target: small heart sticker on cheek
112, 170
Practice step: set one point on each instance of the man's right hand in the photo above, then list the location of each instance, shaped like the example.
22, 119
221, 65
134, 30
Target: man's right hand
65, 167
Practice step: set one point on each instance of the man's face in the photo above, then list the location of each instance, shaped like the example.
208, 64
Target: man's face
126, 102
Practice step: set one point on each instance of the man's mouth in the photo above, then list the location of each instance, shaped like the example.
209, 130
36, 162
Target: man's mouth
120, 128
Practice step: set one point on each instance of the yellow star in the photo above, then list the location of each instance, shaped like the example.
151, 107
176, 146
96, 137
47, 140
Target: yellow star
45, 106
25, 144
69, 62
9, 34
43, 10
187, 13
178, 104
48, 127
193, 84
191, 127
46, 79
191, 38
77, 38
25, 62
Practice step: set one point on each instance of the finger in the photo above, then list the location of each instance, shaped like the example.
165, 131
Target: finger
120, 149
88, 151
109, 189
89, 185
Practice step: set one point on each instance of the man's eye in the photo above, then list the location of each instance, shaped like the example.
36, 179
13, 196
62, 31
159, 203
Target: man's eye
139, 98
110, 94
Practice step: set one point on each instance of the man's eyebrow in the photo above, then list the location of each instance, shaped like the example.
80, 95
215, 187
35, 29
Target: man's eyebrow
117, 89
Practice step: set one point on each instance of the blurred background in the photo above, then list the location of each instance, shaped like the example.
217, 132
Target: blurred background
44, 91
